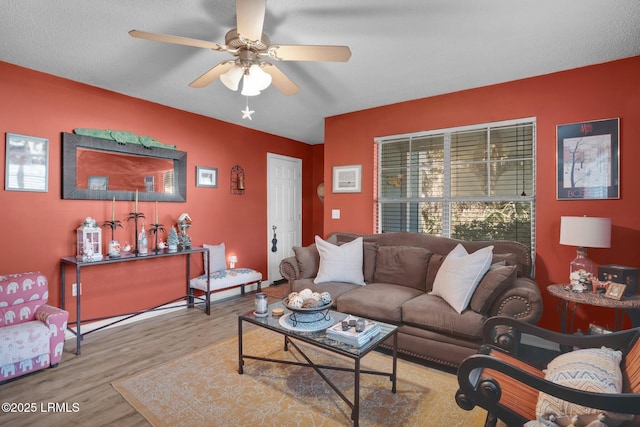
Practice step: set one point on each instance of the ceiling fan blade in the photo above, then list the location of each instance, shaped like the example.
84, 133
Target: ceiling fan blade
280, 80
250, 18
176, 40
212, 74
309, 53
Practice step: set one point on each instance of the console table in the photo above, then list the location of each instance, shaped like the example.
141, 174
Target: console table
125, 257
630, 305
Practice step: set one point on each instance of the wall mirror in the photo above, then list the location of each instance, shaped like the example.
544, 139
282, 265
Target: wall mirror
101, 169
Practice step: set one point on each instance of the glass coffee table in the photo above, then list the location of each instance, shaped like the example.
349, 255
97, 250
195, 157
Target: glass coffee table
314, 333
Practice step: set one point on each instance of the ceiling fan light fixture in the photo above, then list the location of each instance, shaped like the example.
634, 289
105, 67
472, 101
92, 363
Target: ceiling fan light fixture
263, 80
231, 78
249, 45
249, 86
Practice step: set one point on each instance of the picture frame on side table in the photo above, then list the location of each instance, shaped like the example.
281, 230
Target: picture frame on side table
615, 290
27, 163
588, 160
347, 179
206, 177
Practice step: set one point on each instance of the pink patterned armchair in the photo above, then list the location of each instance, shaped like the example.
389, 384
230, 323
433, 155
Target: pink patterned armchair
31, 332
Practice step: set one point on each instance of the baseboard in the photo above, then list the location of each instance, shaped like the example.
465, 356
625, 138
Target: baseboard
168, 308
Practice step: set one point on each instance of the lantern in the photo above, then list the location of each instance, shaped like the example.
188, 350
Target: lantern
89, 241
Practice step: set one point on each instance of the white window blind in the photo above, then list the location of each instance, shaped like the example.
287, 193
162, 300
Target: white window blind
470, 183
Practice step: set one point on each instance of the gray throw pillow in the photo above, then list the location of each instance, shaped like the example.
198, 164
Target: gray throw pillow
402, 265
308, 260
369, 252
508, 259
494, 282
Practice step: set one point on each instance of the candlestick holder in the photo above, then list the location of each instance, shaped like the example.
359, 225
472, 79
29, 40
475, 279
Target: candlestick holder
135, 216
113, 224
114, 245
155, 229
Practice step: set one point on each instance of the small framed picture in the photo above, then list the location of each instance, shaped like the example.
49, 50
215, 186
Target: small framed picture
615, 290
100, 183
206, 177
27, 163
347, 179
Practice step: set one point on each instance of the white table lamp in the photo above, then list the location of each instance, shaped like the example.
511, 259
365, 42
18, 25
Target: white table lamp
584, 232
233, 259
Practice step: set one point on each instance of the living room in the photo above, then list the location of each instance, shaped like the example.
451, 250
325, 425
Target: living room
43, 226
39, 227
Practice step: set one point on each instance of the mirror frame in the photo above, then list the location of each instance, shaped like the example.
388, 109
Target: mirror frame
71, 142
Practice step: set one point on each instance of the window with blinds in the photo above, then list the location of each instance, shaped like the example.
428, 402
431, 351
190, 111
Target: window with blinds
470, 183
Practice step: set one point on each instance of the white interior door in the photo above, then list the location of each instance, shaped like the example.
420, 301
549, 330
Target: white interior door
284, 199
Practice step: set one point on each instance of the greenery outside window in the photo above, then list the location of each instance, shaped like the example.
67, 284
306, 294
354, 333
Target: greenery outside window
469, 183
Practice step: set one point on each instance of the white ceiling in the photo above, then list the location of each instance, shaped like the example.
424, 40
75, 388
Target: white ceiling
401, 50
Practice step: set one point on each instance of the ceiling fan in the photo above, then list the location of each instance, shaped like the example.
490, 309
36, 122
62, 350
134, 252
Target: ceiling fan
252, 50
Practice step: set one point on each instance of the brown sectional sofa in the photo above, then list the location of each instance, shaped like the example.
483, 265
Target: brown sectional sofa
399, 270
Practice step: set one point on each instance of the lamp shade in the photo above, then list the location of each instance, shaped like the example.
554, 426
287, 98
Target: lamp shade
585, 231
233, 260
231, 78
250, 86
263, 80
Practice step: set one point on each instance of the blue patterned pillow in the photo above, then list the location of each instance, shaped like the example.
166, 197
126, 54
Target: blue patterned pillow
594, 369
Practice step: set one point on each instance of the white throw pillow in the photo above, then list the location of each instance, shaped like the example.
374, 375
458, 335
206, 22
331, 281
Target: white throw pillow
217, 258
340, 263
460, 274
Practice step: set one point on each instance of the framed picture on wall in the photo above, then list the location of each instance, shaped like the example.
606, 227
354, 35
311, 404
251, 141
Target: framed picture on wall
347, 179
588, 160
27, 163
206, 177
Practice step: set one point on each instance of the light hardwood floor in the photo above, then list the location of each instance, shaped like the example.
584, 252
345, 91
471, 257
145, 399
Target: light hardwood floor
113, 353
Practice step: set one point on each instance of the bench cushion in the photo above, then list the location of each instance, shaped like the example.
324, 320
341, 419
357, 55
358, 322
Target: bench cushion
226, 278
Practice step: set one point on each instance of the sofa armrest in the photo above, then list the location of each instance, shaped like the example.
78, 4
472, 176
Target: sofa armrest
522, 301
289, 269
56, 319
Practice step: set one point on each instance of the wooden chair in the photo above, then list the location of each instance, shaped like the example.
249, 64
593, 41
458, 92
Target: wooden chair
506, 375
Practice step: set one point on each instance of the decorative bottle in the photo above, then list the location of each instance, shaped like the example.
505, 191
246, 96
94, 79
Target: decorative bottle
581, 271
143, 242
172, 240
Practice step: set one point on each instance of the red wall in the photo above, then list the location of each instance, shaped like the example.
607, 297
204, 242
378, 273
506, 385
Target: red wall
318, 205
602, 91
38, 229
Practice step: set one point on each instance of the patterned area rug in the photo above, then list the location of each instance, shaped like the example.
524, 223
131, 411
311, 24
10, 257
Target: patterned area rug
205, 389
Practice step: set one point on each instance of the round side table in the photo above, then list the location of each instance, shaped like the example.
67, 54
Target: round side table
567, 311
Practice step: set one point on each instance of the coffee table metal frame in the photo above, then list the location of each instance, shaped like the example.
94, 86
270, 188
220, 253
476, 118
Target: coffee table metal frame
319, 339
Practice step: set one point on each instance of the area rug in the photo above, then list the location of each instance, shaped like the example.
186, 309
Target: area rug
204, 389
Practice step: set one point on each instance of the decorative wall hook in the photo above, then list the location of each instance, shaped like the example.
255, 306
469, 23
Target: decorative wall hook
237, 180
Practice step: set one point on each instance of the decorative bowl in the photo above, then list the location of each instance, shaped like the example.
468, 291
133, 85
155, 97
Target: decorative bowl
326, 306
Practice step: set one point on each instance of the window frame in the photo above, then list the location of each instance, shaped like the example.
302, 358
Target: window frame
447, 199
